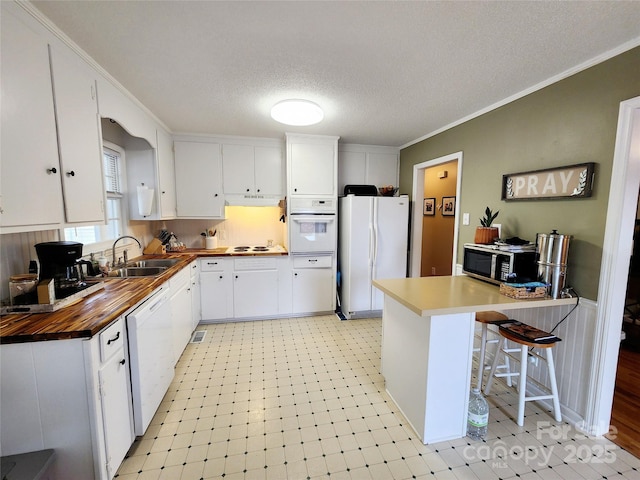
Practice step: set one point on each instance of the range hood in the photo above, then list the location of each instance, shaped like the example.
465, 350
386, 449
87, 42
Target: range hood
252, 200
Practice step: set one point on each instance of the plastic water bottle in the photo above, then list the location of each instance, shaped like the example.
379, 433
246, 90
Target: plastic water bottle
478, 416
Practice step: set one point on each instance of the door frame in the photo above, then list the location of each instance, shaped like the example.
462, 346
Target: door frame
417, 196
614, 271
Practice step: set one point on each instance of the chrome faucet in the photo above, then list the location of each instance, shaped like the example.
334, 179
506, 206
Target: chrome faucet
113, 248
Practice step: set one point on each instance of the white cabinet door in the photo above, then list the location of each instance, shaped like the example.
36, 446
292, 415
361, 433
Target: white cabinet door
116, 410
312, 169
238, 169
250, 170
198, 167
196, 308
166, 175
181, 315
255, 293
216, 289
269, 171
313, 285
29, 149
351, 169
76, 110
382, 169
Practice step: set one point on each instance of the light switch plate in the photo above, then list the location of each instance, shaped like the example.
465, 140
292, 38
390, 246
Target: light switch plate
465, 219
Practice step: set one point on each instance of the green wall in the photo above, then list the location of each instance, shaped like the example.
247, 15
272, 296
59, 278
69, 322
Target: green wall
569, 122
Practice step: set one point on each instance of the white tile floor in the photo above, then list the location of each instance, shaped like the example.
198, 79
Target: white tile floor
303, 399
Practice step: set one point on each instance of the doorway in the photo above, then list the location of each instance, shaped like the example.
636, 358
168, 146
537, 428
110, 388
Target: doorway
617, 248
437, 166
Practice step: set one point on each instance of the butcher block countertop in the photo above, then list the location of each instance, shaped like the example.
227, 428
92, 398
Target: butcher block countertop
93, 313
427, 296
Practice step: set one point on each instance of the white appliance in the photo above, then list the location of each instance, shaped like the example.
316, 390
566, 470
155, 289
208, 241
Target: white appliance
373, 245
315, 234
151, 356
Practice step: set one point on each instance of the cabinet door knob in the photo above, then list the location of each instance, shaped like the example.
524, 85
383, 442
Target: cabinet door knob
248, 189
258, 190
52, 170
123, 361
71, 173
221, 277
215, 195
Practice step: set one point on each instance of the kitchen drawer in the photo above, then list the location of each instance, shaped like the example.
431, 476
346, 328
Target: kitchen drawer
111, 340
318, 261
213, 264
193, 269
255, 263
179, 279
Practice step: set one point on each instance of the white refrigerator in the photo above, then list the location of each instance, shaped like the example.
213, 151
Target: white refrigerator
373, 236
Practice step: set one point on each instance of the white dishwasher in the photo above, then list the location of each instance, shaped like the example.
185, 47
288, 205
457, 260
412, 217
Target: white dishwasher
151, 356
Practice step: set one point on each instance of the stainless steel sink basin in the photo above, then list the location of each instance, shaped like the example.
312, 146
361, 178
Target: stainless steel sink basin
126, 272
154, 262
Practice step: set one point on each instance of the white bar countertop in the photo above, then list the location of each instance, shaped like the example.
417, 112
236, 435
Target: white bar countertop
427, 296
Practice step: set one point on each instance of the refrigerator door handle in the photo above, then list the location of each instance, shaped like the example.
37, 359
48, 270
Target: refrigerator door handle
371, 243
374, 236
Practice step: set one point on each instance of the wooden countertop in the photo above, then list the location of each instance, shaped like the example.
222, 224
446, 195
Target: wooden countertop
93, 313
427, 296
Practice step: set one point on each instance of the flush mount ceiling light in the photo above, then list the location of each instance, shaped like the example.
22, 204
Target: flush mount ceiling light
297, 112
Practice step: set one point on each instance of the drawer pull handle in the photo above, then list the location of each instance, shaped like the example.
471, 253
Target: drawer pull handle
313, 260
114, 338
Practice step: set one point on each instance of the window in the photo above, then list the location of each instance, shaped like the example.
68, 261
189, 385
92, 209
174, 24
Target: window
113, 158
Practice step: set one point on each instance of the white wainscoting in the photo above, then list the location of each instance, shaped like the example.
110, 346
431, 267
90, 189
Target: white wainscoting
573, 355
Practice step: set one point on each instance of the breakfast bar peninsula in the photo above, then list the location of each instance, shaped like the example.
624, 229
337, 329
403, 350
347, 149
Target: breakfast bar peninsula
427, 343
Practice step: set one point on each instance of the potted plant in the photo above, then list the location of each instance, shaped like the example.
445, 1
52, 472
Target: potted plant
486, 234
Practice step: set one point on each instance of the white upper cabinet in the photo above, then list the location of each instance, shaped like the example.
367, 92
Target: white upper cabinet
252, 172
198, 173
367, 165
31, 197
79, 141
312, 165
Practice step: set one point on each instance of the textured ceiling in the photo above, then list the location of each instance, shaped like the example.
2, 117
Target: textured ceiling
386, 73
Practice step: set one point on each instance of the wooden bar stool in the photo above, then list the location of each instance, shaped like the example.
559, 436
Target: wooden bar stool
522, 383
487, 318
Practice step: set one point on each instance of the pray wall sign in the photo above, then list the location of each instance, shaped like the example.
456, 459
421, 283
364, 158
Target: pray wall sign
574, 181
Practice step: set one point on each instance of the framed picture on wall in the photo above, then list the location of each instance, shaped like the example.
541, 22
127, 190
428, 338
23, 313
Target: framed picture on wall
448, 206
429, 206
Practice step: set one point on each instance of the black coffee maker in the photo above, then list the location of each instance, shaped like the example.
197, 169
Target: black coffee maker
59, 261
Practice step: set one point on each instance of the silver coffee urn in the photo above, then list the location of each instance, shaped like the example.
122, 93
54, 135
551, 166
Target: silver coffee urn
551, 253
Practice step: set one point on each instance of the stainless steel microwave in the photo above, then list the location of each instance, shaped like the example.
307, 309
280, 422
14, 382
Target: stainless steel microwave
490, 263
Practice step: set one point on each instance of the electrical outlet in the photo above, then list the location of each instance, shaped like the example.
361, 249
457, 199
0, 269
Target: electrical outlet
222, 234
433, 270
533, 360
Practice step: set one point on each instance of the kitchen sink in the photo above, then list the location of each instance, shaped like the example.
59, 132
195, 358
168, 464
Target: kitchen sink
154, 262
126, 272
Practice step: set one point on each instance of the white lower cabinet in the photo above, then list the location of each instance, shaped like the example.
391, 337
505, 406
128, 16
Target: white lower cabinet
266, 286
313, 285
115, 395
72, 396
196, 308
181, 315
216, 288
255, 287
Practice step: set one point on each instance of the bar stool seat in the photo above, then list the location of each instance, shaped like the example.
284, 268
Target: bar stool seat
486, 318
524, 346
